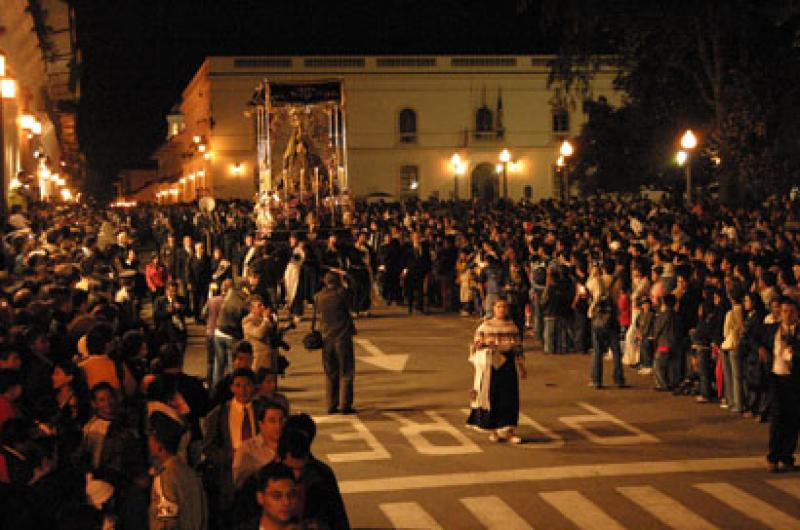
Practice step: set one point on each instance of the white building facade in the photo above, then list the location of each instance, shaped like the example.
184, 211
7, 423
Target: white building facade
406, 118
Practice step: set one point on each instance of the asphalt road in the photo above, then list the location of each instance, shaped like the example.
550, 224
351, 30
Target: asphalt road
596, 459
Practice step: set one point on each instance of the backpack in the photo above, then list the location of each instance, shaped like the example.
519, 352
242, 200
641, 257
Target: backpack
603, 313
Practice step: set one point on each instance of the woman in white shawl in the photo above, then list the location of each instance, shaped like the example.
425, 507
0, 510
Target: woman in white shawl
497, 356
291, 279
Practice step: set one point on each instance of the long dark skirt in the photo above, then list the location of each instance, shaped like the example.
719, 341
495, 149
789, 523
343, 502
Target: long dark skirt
503, 400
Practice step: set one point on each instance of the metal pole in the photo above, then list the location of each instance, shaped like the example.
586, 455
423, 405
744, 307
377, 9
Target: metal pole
3, 173
689, 180
344, 147
505, 181
270, 184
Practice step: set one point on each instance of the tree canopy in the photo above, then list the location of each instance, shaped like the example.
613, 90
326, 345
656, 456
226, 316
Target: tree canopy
726, 69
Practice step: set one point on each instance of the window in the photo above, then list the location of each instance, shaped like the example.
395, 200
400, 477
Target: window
409, 180
408, 126
561, 121
484, 123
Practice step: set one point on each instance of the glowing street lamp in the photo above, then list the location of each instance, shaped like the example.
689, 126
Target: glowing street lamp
688, 143
8, 88
681, 157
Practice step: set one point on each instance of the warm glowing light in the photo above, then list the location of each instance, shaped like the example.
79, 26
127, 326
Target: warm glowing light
196, 138
66, 194
414, 185
498, 168
182, 180
560, 161
566, 149
15, 183
8, 88
201, 173
37, 128
207, 155
515, 166
2, 65
201, 148
505, 156
27, 121
174, 191
716, 160
688, 140
191, 176
681, 157
237, 168
459, 166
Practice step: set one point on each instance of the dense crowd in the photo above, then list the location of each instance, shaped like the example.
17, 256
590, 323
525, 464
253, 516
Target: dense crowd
98, 419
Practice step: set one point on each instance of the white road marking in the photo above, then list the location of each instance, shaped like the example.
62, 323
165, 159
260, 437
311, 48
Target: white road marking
495, 514
408, 515
376, 450
415, 434
581, 511
555, 442
394, 362
787, 485
601, 416
541, 474
665, 508
750, 506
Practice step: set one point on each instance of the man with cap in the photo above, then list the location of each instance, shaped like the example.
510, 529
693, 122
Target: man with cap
177, 499
337, 328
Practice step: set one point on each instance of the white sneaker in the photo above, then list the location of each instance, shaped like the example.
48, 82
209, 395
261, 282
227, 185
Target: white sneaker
516, 440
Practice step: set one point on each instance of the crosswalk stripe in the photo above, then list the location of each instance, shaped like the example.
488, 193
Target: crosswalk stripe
749, 505
495, 514
581, 511
787, 485
664, 508
409, 515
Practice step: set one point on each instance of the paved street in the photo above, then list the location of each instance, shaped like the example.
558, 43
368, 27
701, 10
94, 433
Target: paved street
611, 458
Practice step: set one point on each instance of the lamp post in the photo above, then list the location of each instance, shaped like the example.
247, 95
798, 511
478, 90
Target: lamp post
505, 158
459, 168
688, 143
566, 151
8, 90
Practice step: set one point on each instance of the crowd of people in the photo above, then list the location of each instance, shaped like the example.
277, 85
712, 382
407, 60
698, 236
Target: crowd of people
98, 419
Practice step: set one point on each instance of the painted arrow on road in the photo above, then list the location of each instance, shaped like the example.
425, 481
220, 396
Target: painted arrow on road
394, 362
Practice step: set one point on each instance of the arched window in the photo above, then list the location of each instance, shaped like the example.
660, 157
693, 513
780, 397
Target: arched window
408, 126
484, 123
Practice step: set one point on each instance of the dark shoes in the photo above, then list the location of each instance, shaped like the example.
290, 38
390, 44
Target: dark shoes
348, 410
333, 410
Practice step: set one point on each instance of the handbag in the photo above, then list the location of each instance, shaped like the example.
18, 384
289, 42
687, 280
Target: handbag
313, 339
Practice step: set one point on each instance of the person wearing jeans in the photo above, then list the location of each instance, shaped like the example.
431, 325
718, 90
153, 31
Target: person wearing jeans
731, 363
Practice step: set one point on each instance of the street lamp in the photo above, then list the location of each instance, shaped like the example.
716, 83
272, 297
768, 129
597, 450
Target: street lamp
688, 143
566, 151
459, 168
8, 90
505, 158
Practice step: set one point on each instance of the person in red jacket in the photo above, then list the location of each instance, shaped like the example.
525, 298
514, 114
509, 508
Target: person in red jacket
156, 275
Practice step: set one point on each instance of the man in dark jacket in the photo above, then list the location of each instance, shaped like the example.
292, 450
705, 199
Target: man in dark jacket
337, 328
417, 266
229, 328
199, 276
780, 351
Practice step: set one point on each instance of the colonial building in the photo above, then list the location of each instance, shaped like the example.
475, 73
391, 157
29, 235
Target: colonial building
414, 125
39, 61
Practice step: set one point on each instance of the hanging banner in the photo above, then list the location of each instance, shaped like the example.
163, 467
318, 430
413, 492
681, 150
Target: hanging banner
281, 94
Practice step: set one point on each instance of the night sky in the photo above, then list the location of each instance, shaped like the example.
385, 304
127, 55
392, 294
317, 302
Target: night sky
139, 55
